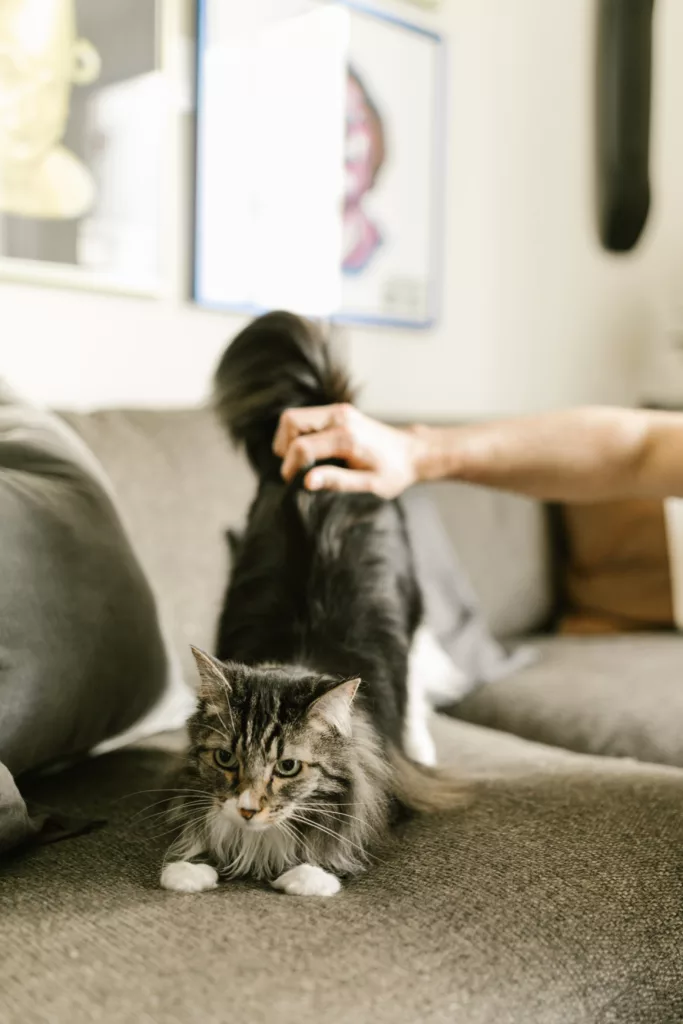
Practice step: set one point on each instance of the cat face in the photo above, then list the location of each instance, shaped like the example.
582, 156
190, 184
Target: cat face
270, 743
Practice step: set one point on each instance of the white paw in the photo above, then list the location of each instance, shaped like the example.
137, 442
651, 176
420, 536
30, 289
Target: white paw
183, 876
307, 880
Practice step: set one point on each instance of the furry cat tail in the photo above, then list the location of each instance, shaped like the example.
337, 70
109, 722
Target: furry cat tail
424, 789
279, 361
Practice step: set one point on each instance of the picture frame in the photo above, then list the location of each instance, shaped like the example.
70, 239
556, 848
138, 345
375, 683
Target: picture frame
102, 210
268, 229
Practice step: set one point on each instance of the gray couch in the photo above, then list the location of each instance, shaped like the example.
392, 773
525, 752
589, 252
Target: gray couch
556, 897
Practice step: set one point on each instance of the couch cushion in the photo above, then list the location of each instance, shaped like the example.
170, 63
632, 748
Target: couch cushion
604, 695
179, 485
556, 897
502, 542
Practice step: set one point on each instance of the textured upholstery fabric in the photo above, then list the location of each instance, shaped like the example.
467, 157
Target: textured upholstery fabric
556, 897
620, 695
179, 487
502, 542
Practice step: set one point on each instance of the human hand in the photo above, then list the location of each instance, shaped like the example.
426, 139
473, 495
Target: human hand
381, 459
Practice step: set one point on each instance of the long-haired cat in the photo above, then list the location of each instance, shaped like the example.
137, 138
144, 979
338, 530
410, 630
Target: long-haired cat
297, 752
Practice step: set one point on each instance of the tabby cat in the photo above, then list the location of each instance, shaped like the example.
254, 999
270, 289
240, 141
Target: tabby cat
297, 748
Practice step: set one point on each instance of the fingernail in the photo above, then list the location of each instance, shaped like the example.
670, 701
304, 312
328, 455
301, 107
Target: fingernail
314, 482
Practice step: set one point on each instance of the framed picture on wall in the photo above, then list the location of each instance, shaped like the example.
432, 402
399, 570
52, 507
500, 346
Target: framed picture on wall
320, 150
84, 142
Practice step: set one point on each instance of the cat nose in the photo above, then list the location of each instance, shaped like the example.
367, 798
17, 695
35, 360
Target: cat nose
247, 813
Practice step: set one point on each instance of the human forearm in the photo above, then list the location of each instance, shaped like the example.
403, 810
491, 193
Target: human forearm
588, 454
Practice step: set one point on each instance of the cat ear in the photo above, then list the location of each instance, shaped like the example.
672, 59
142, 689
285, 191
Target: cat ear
211, 674
334, 707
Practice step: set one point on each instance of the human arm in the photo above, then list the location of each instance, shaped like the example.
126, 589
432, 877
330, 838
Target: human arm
586, 454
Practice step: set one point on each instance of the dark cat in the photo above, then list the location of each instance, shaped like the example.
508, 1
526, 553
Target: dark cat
297, 746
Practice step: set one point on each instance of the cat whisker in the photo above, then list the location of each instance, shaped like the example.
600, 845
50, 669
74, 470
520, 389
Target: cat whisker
179, 789
332, 809
296, 834
335, 835
220, 717
330, 803
343, 818
195, 804
181, 825
290, 832
167, 800
190, 842
223, 735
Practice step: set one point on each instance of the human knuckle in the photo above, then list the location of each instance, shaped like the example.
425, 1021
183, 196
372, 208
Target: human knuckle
344, 414
341, 441
302, 449
352, 448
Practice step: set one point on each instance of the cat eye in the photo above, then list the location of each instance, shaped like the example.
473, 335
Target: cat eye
225, 759
288, 768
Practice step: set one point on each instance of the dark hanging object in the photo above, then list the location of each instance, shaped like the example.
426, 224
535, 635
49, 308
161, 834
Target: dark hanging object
624, 75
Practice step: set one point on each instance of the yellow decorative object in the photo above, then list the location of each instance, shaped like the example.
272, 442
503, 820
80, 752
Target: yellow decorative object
40, 58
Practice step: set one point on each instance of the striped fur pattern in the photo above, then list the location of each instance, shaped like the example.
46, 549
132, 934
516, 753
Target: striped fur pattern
326, 814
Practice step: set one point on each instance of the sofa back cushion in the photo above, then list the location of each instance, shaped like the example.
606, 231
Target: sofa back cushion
503, 542
179, 486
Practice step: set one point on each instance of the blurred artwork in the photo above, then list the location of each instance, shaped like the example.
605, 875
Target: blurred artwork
391, 259
364, 157
270, 172
81, 142
125, 136
319, 158
40, 59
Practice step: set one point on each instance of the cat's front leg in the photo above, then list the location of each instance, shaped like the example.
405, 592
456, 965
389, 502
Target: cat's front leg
186, 876
307, 880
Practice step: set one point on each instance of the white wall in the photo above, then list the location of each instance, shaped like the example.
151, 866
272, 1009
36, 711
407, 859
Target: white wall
535, 314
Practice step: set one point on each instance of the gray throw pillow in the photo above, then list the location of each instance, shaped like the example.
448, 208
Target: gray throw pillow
82, 656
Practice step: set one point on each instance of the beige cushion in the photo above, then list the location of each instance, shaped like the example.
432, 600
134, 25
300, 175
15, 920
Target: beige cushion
615, 572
